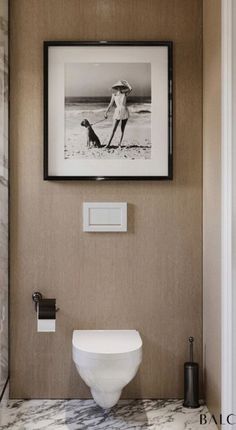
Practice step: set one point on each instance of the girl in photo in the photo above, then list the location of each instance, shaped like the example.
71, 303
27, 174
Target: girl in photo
121, 90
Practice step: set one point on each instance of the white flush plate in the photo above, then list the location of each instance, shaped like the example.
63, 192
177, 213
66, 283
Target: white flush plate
102, 217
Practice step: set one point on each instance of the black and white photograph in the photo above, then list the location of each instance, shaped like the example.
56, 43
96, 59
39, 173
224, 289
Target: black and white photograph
108, 110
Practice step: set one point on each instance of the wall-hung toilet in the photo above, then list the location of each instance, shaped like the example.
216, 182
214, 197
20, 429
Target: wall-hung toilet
107, 360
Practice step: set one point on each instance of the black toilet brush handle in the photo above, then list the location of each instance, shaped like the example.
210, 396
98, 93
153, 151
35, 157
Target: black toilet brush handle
191, 340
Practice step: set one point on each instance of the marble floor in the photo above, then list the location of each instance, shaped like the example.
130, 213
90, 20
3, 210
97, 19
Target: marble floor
86, 415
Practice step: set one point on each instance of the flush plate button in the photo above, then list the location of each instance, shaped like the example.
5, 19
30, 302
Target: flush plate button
105, 217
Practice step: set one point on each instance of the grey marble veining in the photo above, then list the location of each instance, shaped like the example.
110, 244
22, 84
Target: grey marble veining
86, 415
3, 193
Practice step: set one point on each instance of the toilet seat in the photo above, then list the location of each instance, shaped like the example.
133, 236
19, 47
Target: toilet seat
104, 344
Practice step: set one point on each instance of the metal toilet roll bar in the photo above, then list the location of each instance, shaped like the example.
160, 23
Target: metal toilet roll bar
46, 308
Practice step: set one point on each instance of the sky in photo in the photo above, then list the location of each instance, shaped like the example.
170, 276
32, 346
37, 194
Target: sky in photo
96, 79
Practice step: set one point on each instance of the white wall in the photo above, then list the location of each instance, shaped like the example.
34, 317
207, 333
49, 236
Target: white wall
234, 201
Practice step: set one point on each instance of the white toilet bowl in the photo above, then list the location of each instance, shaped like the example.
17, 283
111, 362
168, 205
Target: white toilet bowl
107, 360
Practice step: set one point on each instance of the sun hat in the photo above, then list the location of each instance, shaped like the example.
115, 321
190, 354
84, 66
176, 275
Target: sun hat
120, 84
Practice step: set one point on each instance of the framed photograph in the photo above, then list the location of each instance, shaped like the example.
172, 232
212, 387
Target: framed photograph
108, 110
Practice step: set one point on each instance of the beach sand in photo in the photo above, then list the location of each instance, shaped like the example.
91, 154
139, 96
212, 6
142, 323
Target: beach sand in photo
137, 137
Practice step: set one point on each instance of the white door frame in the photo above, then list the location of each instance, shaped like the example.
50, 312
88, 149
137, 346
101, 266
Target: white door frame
227, 397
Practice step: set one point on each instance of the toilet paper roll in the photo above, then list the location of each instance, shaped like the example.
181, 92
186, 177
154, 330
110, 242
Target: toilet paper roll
47, 309
46, 325
46, 315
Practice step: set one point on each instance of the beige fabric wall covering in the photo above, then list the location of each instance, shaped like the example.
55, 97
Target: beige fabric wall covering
149, 278
212, 203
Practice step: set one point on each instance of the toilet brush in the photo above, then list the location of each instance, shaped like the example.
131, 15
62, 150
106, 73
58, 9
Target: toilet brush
191, 380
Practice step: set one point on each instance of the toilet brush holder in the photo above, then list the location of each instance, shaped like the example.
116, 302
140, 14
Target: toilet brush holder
191, 380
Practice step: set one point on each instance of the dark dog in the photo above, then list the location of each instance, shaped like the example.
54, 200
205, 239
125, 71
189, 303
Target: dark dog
92, 138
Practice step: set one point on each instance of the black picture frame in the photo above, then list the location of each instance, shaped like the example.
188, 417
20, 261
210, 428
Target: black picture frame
46, 46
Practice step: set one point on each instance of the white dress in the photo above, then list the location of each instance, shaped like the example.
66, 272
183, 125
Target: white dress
121, 111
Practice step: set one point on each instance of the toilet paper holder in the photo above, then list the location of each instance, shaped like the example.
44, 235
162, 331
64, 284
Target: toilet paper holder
37, 297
